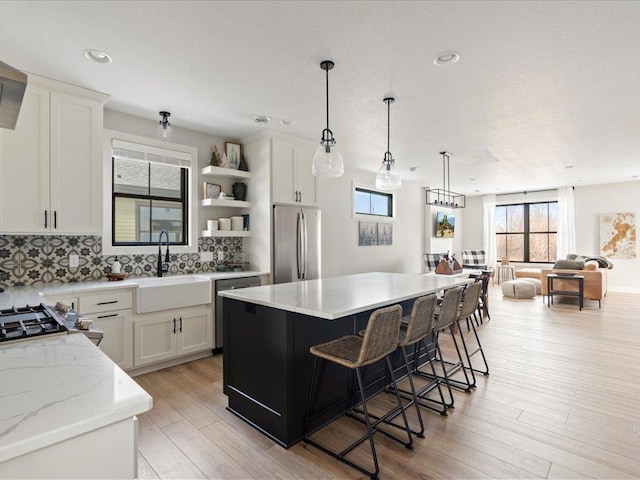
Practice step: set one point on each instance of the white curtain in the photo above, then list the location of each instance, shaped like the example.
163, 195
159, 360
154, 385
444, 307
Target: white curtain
489, 232
566, 222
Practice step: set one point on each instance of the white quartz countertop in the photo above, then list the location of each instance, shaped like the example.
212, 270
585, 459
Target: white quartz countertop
337, 297
21, 296
57, 387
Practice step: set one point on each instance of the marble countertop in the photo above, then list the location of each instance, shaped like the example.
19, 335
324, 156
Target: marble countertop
336, 297
21, 296
57, 387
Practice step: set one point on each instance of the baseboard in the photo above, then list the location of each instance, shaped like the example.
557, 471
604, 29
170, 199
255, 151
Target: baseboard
167, 363
624, 290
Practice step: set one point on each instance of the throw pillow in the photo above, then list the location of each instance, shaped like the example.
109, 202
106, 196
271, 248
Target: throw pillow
571, 256
568, 265
590, 265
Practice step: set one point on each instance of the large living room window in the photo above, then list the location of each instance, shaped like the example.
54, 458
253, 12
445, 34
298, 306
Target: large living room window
527, 232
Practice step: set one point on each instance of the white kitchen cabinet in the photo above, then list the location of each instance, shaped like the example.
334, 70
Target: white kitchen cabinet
117, 341
291, 178
110, 312
50, 165
164, 335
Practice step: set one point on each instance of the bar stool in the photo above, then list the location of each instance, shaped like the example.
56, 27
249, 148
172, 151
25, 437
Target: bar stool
420, 325
483, 304
354, 352
447, 318
468, 308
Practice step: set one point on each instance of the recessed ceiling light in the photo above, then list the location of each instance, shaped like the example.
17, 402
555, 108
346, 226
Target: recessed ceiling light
568, 166
286, 121
472, 179
413, 169
261, 120
97, 56
447, 58
635, 176
477, 191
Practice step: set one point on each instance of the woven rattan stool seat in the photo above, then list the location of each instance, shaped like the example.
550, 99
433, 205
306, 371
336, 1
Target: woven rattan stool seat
344, 351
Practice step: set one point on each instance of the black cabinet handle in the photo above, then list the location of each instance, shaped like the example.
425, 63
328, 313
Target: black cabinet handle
174, 325
300, 196
181, 324
108, 316
46, 219
55, 219
107, 303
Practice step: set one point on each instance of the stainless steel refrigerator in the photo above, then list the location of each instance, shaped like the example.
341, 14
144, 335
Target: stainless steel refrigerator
296, 243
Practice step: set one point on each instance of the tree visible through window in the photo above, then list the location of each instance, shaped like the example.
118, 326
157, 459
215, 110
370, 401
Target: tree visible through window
527, 232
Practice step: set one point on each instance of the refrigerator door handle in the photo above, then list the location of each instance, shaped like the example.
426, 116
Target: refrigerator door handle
299, 259
305, 251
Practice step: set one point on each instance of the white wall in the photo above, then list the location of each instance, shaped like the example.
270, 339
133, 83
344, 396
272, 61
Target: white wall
591, 202
472, 224
341, 254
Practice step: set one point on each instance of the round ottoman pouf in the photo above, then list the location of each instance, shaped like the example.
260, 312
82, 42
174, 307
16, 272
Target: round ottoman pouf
518, 289
534, 281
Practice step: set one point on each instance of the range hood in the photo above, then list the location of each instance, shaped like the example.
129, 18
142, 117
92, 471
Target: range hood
12, 86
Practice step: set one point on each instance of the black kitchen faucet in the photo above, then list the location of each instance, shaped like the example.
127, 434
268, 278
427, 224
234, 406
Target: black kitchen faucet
161, 268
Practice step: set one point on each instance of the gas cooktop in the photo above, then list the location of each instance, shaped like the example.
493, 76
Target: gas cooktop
27, 322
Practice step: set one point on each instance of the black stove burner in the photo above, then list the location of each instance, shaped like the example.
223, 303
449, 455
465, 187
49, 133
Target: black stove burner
27, 322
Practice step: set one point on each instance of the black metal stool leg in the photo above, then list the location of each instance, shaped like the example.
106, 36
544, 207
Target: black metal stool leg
419, 434
309, 399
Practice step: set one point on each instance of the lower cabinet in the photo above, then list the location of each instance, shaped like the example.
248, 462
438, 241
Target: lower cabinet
117, 341
164, 335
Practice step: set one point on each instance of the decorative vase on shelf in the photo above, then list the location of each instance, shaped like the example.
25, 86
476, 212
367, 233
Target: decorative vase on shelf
239, 191
243, 164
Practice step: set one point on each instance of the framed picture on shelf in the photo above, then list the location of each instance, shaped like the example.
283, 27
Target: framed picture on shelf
233, 154
211, 190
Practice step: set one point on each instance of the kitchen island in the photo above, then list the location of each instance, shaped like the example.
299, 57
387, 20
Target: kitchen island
268, 331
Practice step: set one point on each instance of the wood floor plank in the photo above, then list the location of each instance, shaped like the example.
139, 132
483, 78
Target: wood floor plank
206, 455
145, 471
161, 453
562, 401
558, 472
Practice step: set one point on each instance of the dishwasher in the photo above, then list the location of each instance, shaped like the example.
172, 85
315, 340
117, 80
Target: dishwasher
221, 286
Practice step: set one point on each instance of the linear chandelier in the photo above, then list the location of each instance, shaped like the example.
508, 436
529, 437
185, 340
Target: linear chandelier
444, 197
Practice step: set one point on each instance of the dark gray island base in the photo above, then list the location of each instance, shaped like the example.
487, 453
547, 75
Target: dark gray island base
267, 367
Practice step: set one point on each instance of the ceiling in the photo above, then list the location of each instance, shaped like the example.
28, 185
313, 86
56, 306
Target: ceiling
545, 94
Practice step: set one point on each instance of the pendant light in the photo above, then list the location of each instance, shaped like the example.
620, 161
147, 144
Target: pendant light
327, 161
388, 177
164, 130
444, 197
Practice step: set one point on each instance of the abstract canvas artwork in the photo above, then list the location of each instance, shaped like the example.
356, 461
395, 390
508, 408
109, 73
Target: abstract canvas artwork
618, 235
372, 233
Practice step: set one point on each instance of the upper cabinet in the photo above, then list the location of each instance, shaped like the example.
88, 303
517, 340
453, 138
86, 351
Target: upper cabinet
51, 164
291, 178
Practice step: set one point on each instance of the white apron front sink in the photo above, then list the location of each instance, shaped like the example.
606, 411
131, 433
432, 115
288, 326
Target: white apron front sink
166, 293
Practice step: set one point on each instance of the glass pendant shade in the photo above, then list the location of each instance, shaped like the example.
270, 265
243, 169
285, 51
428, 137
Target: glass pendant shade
164, 130
327, 161
388, 177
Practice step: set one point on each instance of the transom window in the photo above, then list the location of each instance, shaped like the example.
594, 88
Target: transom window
148, 197
372, 202
527, 232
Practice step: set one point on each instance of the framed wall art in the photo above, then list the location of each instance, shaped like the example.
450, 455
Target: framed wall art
233, 154
211, 190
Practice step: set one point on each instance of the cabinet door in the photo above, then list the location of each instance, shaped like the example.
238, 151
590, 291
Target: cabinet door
24, 167
283, 181
306, 181
117, 342
155, 339
196, 331
76, 167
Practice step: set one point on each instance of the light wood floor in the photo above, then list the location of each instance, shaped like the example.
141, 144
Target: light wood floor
562, 401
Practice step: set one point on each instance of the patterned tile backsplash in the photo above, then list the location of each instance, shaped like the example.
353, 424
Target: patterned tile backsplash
43, 259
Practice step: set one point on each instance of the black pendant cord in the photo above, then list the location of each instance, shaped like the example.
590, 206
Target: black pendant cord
388, 124
327, 80
388, 158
